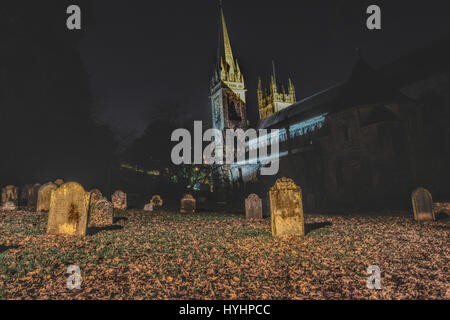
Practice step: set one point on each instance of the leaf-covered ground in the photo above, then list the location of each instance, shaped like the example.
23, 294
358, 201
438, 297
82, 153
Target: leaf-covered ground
216, 256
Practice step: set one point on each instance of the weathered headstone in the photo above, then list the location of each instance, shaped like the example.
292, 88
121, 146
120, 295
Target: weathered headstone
9, 206
253, 207
119, 200
101, 213
188, 204
422, 203
59, 182
148, 207
286, 209
33, 195
24, 191
10, 194
44, 194
96, 195
156, 201
69, 205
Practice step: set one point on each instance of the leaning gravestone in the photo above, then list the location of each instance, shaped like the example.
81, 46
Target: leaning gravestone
253, 207
33, 195
69, 205
286, 209
44, 194
9, 206
188, 204
422, 203
10, 194
101, 213
119, 200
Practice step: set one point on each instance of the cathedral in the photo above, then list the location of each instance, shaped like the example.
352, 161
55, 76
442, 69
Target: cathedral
229, 107
367, 141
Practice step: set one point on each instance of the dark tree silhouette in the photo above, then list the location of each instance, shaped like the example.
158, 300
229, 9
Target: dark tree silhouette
46, 126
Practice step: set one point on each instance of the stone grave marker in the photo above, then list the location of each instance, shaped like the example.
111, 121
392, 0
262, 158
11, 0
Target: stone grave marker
24, 191
148, 207
422, 203
286, 209
33, 195
69, 205
101, 213
44, 194
253, 207
96, 195
10, 194
188, 204
119, 200
9, 206
156, 201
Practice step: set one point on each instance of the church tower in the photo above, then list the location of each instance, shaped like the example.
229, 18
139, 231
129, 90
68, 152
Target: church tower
276, 99
228, 92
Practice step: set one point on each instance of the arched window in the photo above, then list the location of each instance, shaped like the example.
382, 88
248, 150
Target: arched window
233, 112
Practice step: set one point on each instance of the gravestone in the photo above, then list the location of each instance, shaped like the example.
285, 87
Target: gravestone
59, 182
422, 203
69, 205
101, 213
44, 194
33, 195
9, 206
10, 194
286, 209
188, 204
24, 191
96, 195
253, 207
156, 201
148, 207
119, 200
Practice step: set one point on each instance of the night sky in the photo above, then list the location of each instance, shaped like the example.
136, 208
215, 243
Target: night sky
141, 53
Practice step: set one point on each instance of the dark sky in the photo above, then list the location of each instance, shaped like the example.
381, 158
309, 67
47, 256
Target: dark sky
142, 52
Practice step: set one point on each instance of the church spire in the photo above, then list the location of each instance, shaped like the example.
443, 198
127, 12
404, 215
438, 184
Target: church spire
226, 40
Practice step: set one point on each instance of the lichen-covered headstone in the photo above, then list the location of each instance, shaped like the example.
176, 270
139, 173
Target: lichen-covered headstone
422, 203
148, 207
59, 182
188, 204
44, 194
69, 205
33, 195
253, 207
9, 206
119, 200
10, 194
286, 209
156, 201
101, 213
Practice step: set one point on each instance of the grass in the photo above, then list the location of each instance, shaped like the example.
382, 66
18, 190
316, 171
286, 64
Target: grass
168, 255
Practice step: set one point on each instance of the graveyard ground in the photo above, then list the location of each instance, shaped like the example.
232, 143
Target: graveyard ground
168, 255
